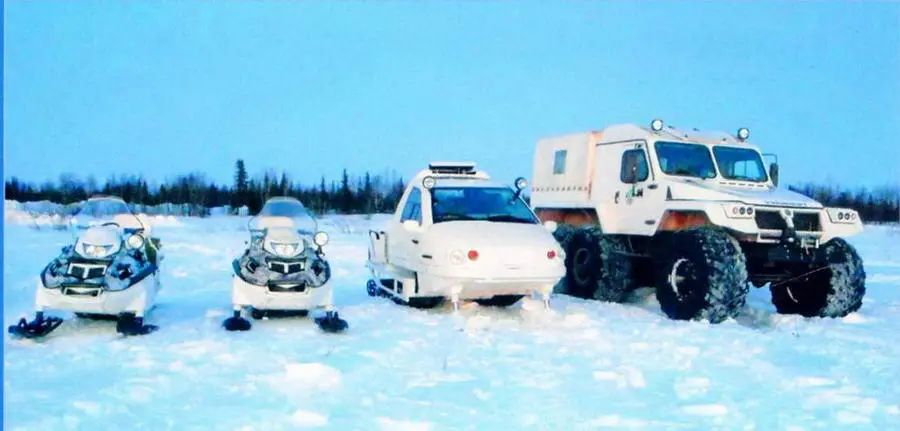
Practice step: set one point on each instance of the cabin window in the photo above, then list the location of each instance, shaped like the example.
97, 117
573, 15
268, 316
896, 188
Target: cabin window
413, 208
559, 162
634, 167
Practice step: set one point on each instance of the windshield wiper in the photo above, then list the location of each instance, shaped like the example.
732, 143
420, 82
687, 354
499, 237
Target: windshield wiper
455, 216
509, 218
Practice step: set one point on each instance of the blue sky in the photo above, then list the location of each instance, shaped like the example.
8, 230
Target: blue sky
163, 88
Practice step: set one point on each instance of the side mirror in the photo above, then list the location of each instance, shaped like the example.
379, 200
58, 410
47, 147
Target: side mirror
773, 173
630, 176
551, 225
411, 225
520, 184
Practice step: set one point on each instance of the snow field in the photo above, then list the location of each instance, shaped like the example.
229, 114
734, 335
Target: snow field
584, 365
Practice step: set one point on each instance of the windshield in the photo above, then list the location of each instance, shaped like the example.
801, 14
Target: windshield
284, 212
741, 164
104, 210
479, 203
690, 160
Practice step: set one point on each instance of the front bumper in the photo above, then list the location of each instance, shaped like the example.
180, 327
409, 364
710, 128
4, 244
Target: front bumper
97, 300
244, 294
431, 284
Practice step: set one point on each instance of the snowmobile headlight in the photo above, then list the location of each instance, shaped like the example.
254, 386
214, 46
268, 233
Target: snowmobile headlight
320, 239
97, 251
135, 241
289, 249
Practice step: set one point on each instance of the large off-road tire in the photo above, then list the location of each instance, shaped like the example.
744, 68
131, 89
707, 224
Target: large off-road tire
564, 234
499, 300
596, 267
701, 275
835, 291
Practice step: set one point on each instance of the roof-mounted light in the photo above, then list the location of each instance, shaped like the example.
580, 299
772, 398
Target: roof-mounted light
656, 125
743, 133
521, 183
428, 183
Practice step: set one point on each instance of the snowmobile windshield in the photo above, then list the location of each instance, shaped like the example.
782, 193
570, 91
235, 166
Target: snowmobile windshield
108, 211
742, 164
497, 204
284, 213
687, 160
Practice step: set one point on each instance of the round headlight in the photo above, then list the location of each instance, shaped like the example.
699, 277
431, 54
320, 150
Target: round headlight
428, 182
135, 241
320, 238
743, 133
656, 125
457, 257
521, 183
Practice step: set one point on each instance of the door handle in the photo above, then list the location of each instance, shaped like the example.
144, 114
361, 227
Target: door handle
616, 199
652, 186
415, 241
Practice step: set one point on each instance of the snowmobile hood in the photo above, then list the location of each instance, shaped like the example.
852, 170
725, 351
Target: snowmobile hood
283, 242
100, 235
691, 189
282, 235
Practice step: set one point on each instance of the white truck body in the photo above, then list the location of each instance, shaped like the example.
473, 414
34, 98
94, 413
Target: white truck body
584, 171
417, 255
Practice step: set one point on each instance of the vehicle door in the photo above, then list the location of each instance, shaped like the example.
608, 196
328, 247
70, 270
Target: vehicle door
637, 195
403, 239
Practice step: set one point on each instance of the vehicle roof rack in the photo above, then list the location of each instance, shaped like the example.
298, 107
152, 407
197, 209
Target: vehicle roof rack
458, 168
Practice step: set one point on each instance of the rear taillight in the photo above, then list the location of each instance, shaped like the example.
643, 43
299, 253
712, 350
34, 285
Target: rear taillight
473, 254
551, 254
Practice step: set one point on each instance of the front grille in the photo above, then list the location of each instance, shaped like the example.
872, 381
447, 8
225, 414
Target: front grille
286, 267
771, 220
90, 291
84, 272
276, 287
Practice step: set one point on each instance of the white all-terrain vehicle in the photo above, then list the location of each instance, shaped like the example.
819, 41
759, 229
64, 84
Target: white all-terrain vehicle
110, 272
695, 215
456, 234
283, 270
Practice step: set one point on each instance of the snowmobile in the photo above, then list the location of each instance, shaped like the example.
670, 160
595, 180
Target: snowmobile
111, 271
283, 270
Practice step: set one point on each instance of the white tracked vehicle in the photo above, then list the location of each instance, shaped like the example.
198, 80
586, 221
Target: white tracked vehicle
111, 271
283, 271
458, 235
695, 215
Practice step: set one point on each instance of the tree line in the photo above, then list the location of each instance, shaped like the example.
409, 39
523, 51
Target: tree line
352, 194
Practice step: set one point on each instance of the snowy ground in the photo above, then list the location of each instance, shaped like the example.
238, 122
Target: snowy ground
588, 365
